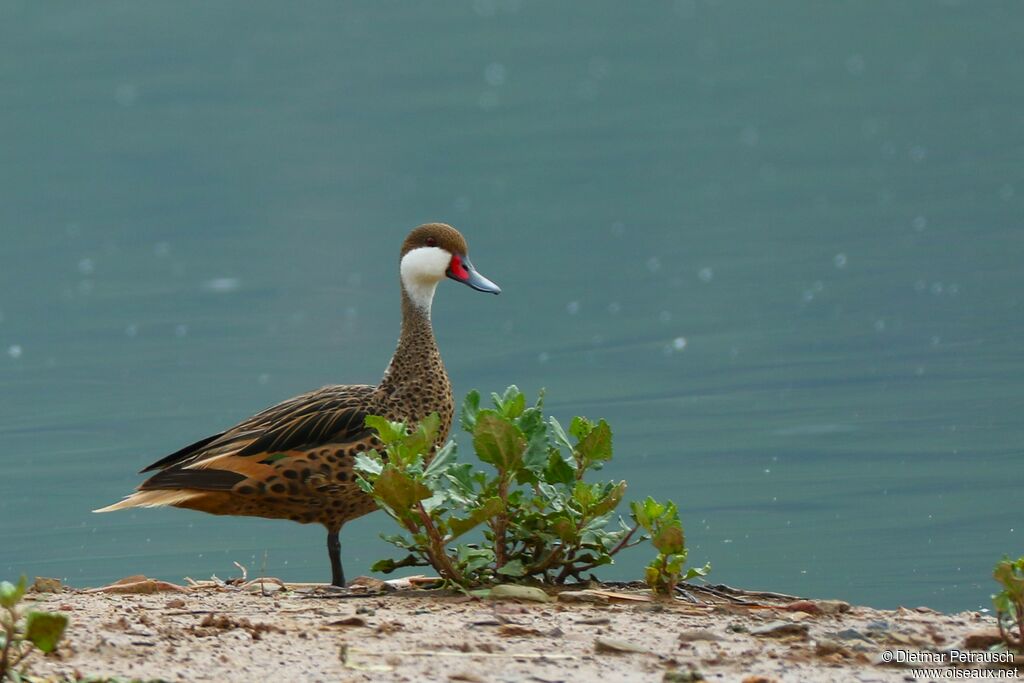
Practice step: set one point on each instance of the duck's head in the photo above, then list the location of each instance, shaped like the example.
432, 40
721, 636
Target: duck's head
432, 252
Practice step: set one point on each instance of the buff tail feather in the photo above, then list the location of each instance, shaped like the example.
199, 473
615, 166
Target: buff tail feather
152, 499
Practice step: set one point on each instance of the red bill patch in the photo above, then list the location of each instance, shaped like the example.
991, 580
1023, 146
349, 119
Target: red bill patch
457, 268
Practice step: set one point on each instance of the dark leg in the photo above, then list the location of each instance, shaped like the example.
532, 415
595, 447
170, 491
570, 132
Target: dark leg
334, 551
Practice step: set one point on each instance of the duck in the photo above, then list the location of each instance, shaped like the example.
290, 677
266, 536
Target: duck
295, 459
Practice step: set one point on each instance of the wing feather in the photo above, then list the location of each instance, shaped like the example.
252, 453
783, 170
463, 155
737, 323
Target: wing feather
307, 431
183, 454
333, 414
184, 478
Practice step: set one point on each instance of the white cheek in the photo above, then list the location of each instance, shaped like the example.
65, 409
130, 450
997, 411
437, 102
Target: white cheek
421, 270
425, 264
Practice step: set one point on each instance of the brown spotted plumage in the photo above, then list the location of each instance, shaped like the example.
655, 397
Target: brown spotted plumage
295, 460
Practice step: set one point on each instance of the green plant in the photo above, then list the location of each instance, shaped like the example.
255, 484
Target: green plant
538, 517
661, 522
1009, 602
21, 633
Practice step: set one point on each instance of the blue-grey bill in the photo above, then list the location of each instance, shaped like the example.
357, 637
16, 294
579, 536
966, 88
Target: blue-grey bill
476, 280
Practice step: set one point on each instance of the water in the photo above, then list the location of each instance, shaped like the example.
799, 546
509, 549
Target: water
776, 245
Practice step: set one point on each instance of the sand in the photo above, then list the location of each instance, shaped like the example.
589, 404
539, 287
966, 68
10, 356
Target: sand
261, 632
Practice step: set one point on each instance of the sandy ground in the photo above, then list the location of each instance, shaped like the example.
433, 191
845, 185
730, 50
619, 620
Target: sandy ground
219, 632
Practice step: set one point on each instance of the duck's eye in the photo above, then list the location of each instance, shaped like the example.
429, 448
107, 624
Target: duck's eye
431, 242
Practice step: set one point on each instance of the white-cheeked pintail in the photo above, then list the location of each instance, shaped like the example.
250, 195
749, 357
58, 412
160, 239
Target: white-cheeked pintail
295, 460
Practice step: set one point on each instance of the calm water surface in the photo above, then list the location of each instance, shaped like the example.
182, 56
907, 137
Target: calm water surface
777, 245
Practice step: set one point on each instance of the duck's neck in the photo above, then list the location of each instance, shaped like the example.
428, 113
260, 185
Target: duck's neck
417, 356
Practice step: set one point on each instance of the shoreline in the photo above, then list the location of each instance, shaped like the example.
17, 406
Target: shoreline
384, 631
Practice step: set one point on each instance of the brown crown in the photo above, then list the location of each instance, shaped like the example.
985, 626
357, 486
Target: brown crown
435, 235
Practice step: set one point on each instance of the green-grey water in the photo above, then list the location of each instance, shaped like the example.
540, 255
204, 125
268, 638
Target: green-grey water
777, 245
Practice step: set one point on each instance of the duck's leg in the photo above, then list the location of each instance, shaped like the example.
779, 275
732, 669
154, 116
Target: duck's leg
334, 552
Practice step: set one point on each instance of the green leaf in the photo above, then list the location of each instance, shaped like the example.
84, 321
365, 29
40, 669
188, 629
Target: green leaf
654, 509
512, 568
611, 499
558, 471
526, 477
498, 441
511, 404
551, 497
369, 465
531, 424
653, 577
596, 446
514, 405
470, 408
10, 593
397, 540
388, 431
1008, 574
398, 490
384, 566
490, 508
388, 566
473, 559
422, 439
431, 424
669, 539
461, 478
647, 512
565, 528
44, 629
694, 572
436, 502
442, 459
584, 494
580, 427
561, 438
639, 513
675, 564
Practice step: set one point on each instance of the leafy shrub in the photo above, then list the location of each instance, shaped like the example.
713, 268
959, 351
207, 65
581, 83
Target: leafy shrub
1009, 602
23, 633
539, 518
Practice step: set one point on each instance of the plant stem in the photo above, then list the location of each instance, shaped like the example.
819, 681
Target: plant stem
1002, 631
567, 568
543, 565
440, 558
624, 541
663, 576
622, 544
501, 523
